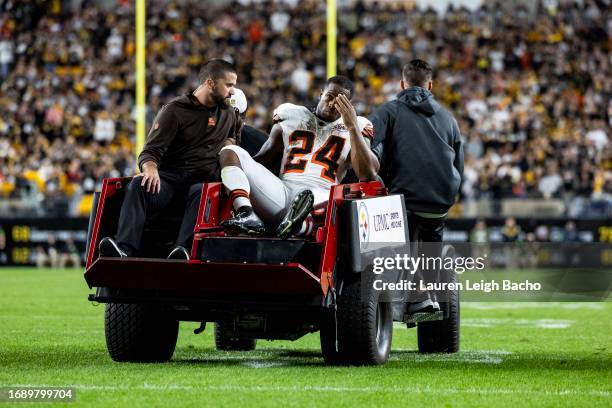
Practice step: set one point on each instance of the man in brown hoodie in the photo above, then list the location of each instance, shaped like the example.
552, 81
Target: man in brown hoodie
181, 151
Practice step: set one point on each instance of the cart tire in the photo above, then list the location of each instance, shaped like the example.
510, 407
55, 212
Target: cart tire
442, 336
364, 326
139, 333
225, 341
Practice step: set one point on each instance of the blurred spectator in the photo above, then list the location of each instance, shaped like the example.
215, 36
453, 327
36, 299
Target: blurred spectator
529, 252
511, 231
105, 128
3, 253
570, 233
598, 136
70, 255
301, 81
480, 233
479, 239
542, 233
511, 234
48, 256
6, 57
550, 184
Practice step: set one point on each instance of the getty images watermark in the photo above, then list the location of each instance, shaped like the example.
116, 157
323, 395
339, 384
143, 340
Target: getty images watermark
433, 264
492, 272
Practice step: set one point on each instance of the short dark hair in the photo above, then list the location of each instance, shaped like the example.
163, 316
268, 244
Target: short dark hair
215, 69
343, 82
417, 73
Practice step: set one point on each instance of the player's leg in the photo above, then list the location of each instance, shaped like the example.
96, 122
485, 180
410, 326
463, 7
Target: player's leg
251, 185
298, 220
234, 178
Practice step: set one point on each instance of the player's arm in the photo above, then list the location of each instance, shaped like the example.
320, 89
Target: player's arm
161, 135
363, 160
272, 149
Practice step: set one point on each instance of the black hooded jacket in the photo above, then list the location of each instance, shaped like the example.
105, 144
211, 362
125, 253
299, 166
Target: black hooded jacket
186, 137
419, 146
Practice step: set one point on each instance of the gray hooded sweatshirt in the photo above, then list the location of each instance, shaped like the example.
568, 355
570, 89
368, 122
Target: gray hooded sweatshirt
419, 146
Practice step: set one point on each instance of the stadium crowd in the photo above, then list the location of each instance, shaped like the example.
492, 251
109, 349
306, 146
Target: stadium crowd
531, 91
530, 88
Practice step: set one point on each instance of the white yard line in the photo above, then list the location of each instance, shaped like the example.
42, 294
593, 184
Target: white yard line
265, 364
531, 305
532, 323
466, 356
62, 332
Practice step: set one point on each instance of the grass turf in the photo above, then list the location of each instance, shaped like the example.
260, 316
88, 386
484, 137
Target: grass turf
513, 354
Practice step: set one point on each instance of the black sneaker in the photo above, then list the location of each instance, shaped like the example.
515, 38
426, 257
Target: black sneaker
245, 221
426, 306
179, 252
108, 248
300, 208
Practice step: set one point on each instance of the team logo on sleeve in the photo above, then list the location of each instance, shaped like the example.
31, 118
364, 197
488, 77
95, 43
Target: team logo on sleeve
339, 127
368, 131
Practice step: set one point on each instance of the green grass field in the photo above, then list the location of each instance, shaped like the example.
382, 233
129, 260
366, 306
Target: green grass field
513, 354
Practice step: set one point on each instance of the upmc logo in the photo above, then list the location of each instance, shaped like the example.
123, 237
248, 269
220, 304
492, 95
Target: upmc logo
381, 221
364, 219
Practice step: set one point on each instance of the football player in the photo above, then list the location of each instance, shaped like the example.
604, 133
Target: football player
316, 148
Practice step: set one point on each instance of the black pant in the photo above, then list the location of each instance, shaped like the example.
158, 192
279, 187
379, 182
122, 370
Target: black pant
138, 204
425, 229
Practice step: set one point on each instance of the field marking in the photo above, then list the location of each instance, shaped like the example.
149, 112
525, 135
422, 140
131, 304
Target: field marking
264, 364
47, 331
51, 317
531, 305
468, 356
529, 323
311, 388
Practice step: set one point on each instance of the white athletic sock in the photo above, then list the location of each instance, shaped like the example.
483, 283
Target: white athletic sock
237, 183
240, 201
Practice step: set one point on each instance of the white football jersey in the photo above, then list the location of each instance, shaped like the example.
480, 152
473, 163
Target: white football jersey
316, 153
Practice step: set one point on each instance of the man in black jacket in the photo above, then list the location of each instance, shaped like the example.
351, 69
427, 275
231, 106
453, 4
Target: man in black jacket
419, 146
181, 151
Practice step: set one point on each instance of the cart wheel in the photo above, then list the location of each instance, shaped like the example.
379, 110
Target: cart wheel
139, 333
225, 341
364, 326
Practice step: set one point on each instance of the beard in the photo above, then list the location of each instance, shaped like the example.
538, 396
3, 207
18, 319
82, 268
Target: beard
219, 98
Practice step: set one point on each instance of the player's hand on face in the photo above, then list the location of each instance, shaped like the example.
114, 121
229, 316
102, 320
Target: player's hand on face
150, 179
347, 111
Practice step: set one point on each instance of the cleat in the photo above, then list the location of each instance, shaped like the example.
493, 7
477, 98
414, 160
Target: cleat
245, 221
179, 252
109, 248
301, 206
